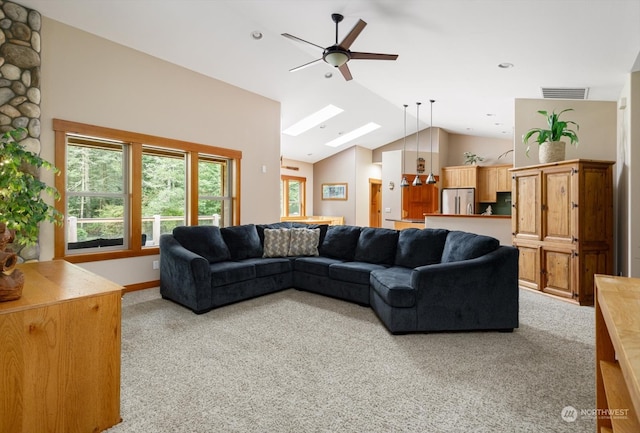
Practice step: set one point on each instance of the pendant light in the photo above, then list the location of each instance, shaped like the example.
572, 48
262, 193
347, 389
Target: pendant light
431, 179
417, 181
404, 182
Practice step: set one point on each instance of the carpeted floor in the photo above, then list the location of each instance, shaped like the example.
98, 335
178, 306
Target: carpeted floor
299, 362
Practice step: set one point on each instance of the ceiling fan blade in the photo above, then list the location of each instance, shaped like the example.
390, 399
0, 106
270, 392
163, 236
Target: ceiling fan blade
297, 39
306, 65
373, 56
353, 34
346, 73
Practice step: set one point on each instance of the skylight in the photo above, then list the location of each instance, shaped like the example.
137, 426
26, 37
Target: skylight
313, 120
365, 129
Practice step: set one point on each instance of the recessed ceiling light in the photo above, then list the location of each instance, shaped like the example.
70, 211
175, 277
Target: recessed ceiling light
359, 132
257, 35
313, 120
490, 114
328, 75
505, 65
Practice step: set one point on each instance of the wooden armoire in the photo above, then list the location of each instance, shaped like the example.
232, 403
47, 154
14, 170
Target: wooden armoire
562, 224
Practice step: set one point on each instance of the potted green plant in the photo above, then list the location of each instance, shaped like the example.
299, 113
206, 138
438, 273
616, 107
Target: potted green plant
552, 148
22, 207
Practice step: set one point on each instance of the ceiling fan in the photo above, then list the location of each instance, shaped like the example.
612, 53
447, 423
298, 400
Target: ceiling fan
338, 55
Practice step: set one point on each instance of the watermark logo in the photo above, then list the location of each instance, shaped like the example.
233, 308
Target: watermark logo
569, 414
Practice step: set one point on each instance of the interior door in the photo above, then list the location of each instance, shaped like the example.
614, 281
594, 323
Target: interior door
375, 199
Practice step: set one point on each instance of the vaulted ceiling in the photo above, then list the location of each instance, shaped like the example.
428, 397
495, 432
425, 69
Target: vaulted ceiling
449, 50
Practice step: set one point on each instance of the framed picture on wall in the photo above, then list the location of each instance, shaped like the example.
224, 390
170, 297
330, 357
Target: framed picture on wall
334, 191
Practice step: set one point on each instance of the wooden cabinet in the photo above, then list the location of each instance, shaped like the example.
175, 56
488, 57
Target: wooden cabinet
487, 184
419, 200
493, 179
503, 178
563, 226
617, 355
461, 176
60, 352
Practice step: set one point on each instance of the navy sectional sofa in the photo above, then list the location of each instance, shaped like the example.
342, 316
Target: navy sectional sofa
415, 280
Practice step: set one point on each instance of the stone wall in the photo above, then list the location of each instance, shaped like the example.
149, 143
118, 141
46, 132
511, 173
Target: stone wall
20, 80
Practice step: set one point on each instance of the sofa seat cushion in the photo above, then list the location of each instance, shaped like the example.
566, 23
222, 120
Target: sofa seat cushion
466, 246
223, 273
376, 245
420, 247
314, 265
394, 286
353, 272
270, 266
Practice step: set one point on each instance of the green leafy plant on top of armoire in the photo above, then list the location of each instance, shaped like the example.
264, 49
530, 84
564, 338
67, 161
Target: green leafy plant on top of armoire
22, 206
550, 140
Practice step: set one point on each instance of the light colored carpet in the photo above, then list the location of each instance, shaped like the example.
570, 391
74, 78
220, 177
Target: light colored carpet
300, 362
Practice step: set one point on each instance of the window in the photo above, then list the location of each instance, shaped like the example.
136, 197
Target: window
292, 193
120, 191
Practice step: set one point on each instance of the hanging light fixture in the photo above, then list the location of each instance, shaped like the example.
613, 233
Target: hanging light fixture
417, 181
404, 182
431, 179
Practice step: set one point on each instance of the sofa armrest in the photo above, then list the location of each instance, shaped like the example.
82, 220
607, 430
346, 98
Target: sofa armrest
481, 292
185, 276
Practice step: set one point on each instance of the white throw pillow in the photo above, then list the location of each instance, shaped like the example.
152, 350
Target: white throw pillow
304, 242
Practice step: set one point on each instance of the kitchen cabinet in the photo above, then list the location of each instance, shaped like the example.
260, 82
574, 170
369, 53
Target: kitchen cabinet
493, 179
562, 225
462, 176
419, 200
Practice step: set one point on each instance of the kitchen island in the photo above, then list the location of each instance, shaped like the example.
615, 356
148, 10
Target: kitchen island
497, 226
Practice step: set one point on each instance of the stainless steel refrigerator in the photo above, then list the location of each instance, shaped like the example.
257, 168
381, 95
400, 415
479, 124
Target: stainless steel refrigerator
459, 201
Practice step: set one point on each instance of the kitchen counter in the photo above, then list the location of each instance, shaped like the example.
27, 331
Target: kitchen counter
467, 216
497, 226
407, 223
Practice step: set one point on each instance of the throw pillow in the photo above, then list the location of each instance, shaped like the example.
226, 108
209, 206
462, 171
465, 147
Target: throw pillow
276, 242
205, 241
465, 246
243, 241
304, 242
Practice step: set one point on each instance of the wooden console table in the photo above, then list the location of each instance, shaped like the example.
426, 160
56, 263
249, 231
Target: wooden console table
617, 354
60, 352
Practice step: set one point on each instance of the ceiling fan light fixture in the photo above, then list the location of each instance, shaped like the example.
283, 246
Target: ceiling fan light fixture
336, 58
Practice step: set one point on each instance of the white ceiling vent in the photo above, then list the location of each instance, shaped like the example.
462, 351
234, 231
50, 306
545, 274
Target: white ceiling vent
565, 92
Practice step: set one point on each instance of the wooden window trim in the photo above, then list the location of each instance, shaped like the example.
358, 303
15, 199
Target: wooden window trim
137, 141
285, 191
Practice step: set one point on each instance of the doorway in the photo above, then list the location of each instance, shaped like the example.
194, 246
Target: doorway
375, 202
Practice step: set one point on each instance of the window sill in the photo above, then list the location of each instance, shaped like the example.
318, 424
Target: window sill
111, 255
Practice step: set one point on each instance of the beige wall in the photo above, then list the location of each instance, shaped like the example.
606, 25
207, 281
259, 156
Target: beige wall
597, 134
628, 180
353, 166
488, 148
304, 169
91, 80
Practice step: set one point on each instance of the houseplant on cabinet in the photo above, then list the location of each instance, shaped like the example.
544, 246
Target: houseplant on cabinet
22, 207
551, 148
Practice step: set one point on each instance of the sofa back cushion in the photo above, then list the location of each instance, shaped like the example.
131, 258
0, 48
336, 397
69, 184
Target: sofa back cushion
205, 241
279, 225
465, 246
340, 242
243, 241
376, 245
420, 247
